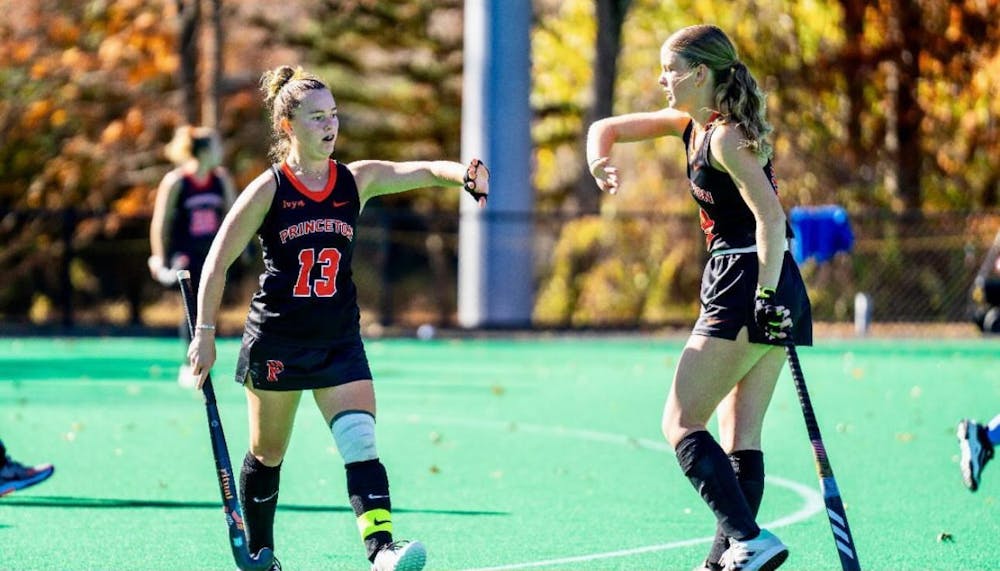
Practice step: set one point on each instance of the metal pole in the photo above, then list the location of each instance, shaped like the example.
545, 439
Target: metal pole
495, 266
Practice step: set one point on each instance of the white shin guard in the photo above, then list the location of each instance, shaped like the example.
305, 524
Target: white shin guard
354, 433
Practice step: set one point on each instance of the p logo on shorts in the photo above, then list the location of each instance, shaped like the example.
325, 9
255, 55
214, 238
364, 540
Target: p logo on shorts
274, 368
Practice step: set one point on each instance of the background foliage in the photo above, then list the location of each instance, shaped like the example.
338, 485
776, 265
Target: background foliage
884, 107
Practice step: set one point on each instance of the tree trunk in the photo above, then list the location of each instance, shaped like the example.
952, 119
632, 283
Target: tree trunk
911, 114
610, 18
856, 70
213, 73
189, 15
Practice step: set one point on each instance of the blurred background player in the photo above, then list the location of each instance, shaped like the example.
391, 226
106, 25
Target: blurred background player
303, 332
16, 476
977, 443
751, 292
191, 201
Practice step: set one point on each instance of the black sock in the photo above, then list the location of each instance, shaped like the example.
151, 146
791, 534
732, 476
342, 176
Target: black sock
707, 467
749, 468
259, 495
3, 455
368, 488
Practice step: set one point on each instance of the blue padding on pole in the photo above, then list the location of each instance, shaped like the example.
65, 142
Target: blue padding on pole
821, 232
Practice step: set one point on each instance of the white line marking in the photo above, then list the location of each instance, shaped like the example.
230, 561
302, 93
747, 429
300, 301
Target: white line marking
812, 500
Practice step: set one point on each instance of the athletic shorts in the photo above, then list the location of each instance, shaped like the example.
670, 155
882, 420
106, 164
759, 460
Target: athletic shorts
279, 366
728, 289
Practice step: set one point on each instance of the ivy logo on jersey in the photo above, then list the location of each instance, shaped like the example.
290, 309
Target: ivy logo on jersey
274, 368
293, 204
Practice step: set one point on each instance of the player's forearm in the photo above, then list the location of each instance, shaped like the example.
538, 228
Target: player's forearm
771, 243
600, 138
445, 173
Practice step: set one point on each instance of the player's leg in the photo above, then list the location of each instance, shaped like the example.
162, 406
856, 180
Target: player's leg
741, 418
349, 411
977, 443
707, 371
17, 476
272, 415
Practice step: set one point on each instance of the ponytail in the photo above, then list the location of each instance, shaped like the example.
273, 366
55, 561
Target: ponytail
743, 103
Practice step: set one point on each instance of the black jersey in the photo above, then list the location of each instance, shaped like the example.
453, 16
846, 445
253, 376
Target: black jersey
307, 295
725, 217
201, 205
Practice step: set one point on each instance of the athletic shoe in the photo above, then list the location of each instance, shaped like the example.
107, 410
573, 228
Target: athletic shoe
186, 378
275, 565
762, 553
401, 556
977, 450
17, 476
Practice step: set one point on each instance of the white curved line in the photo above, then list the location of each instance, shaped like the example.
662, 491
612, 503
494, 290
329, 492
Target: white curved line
812, 500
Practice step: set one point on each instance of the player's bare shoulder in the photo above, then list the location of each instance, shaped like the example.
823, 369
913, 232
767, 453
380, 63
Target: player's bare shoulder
258, 195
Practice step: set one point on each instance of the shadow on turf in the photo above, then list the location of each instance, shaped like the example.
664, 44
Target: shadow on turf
113, 503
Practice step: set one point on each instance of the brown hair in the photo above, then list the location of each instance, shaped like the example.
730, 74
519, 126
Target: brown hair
188, 140
737, 95
284, 88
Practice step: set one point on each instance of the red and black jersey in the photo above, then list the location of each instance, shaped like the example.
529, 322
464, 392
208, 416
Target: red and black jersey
201, 204
307, 295
725, 217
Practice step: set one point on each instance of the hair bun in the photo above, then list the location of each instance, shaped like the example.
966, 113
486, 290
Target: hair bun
273, 80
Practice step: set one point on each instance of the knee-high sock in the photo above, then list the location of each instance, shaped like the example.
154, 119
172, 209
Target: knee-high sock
368, 488
259, 495
707, 467
749, 468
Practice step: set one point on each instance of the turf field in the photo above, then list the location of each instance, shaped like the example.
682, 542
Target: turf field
502, 454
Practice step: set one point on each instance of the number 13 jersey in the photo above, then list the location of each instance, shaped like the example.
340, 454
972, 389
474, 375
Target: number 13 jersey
307, 295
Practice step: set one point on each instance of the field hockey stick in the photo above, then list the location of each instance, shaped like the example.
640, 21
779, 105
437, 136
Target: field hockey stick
223, 467
828, 485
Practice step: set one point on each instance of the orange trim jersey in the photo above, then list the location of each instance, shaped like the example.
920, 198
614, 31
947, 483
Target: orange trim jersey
307, 295
725, 217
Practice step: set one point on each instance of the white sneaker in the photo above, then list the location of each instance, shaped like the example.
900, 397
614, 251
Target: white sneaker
401, 556
762, 553
186, 378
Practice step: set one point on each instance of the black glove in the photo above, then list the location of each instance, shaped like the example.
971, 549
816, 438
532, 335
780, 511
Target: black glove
469, 180
774, 320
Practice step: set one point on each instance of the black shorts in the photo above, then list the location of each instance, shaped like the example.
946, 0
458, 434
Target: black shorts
281, 366
728, 288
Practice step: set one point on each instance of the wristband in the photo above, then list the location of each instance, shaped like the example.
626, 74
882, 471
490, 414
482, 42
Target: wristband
204, 327
765, 292
590, 165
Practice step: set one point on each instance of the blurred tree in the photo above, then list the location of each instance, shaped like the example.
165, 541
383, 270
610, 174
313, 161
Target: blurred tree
610, 19
189, 53
891, 104
89, 94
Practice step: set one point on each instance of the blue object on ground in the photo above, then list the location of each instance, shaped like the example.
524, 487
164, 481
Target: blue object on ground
821, 232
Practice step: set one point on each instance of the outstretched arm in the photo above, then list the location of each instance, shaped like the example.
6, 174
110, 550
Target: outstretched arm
375, 178
604, 133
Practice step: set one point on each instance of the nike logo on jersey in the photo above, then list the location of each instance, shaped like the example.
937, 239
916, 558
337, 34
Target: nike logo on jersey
267, 499
337, 204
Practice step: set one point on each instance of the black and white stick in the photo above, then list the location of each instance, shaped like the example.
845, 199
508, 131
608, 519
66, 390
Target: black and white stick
828, 485
223, 467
